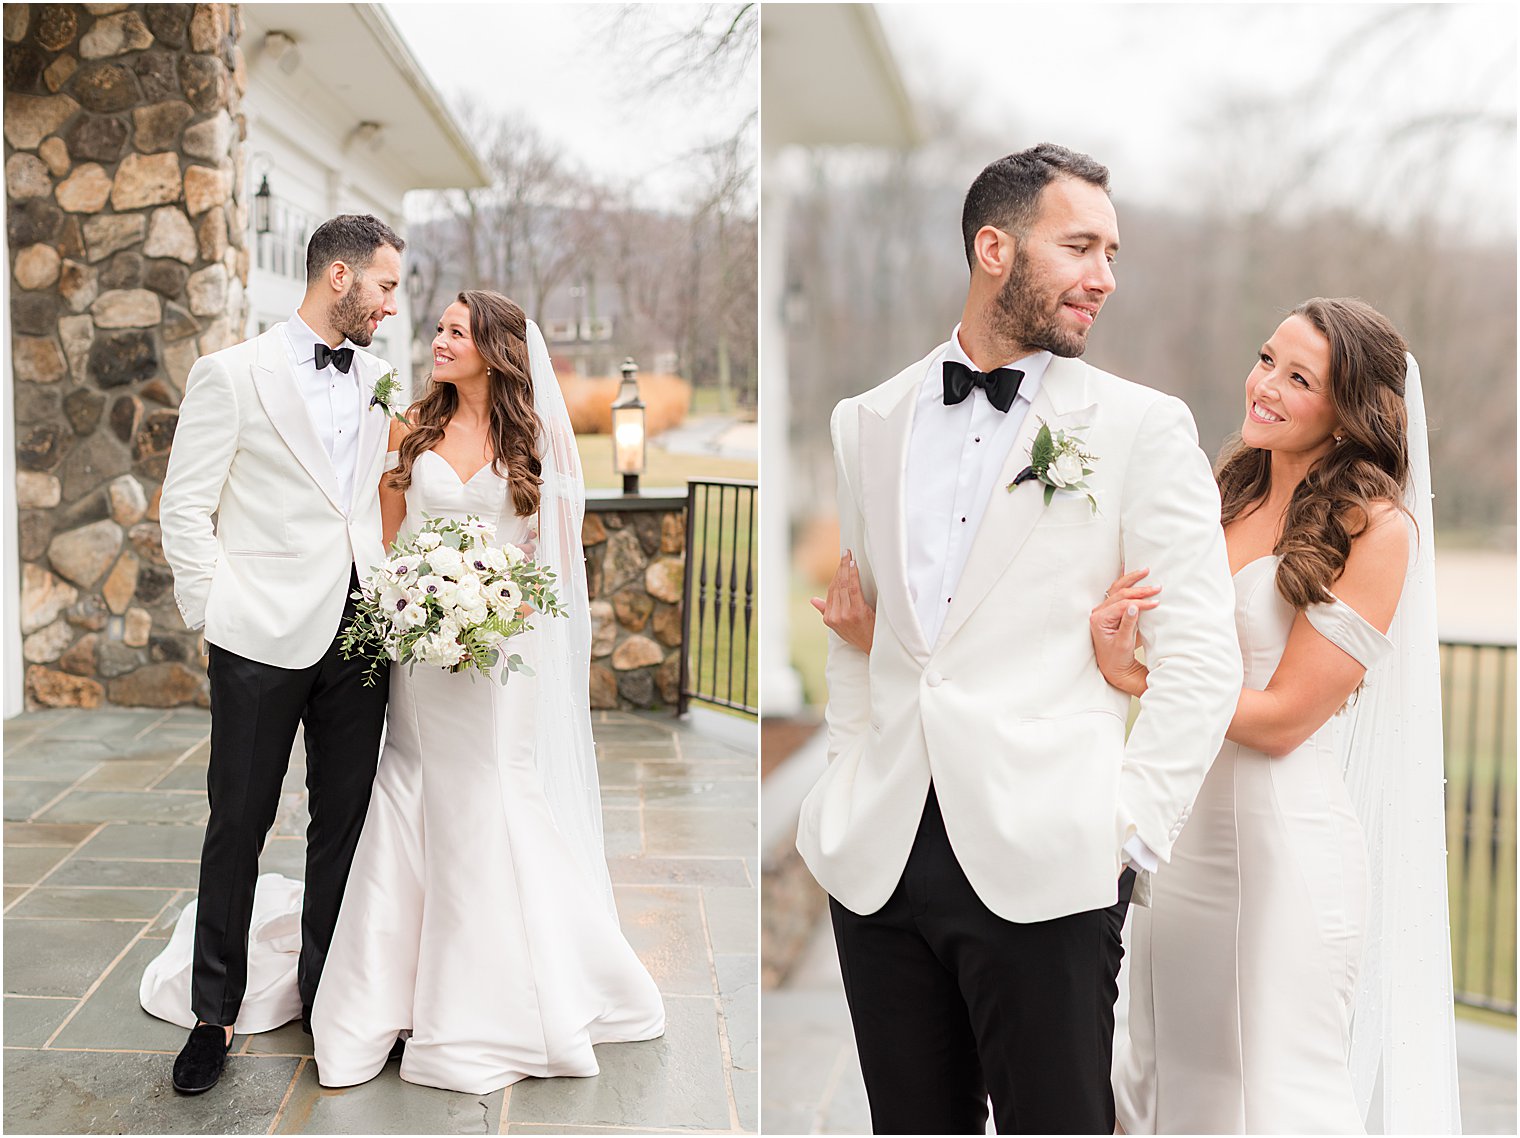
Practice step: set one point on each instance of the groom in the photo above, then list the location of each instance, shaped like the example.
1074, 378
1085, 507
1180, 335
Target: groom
270, 512
981, 800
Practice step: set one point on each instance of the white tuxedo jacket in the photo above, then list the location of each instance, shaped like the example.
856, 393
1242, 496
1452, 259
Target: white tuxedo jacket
268, 575
1007, 712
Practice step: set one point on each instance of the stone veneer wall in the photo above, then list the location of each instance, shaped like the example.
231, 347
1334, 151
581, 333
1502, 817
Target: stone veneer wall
635, 573
124, 174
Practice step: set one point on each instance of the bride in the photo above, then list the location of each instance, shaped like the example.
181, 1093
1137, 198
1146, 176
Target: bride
1292, 973
478, 922
478, 914
1295, 953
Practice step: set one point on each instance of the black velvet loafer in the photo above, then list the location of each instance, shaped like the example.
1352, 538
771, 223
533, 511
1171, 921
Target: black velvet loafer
199, 1065
398, 1049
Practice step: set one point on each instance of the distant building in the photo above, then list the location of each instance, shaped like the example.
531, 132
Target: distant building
165, 164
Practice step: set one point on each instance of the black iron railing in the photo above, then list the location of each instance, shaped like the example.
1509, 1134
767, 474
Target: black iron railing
719, 646
1478, 715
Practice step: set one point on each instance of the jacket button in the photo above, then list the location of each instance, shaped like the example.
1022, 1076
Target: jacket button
933, 678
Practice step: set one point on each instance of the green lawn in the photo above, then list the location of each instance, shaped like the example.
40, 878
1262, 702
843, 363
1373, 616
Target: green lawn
810, 640
1478, 716
723, 547
662, 469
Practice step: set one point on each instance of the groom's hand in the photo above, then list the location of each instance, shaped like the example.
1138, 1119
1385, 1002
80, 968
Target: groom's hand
845, 611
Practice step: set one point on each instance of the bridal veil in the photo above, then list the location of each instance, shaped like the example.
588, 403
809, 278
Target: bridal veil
565, 752
1403, 1032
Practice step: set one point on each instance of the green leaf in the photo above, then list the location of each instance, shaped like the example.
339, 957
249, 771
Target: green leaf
1042, 451
1050, 492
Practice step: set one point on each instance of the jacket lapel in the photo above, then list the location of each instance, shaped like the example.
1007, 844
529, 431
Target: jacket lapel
883, 431
276, 385
373, 430
1012, 514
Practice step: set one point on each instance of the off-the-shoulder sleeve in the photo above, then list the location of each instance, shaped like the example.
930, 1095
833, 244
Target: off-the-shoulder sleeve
1349, 631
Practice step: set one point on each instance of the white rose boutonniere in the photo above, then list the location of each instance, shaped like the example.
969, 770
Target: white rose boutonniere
1058, 462
387, 387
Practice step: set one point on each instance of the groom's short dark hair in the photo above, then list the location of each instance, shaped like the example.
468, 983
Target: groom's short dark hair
1005, 194
351, 238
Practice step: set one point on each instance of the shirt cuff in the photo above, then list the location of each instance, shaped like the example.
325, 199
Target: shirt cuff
1140, 855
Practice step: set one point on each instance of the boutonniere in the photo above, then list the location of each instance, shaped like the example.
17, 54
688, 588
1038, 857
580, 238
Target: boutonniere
1058, 461
387, 387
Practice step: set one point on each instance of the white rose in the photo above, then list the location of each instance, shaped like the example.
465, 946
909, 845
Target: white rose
495, 559
413, 616
515, 554
445, 651
1065, 470
428, 540
446, 561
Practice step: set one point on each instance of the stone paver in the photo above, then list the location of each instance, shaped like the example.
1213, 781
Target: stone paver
105, 813
813, 1083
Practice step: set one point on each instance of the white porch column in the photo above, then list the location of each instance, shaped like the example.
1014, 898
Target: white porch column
780, 685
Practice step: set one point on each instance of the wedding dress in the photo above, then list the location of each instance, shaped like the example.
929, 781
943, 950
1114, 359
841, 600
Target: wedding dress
1293, 971
478, 914
468, 919
1244, 968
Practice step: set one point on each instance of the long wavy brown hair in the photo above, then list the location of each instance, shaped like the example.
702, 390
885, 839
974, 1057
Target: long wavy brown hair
1332, 505
499, 328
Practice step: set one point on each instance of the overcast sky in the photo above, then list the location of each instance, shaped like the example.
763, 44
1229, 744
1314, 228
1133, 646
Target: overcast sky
580, 84
1128, 81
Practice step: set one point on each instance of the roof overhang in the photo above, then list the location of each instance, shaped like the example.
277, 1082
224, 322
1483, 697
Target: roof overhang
355, 68
829, 79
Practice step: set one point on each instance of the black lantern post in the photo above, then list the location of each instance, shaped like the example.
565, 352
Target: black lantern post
261, 207
628, 429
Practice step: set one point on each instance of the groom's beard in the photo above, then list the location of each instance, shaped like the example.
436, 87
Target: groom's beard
351, 318
1019, 315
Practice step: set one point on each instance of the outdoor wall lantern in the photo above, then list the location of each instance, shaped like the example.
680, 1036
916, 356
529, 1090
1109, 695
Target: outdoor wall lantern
628, 429
261, 207
281, 48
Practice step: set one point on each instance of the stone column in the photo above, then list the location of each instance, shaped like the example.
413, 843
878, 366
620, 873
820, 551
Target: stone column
125, 217
635, 573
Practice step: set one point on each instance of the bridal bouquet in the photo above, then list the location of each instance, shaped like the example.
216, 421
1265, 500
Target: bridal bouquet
449, 596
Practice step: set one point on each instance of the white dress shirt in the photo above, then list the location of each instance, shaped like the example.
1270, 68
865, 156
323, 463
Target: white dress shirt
333, 400
955, 455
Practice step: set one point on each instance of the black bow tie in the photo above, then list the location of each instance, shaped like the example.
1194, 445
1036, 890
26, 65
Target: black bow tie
1001, 385
340, 358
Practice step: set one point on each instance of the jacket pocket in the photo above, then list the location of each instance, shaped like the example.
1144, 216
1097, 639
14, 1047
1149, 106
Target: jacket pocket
258, 553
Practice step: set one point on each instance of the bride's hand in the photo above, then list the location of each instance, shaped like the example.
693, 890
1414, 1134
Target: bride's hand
1114, 623
845, 611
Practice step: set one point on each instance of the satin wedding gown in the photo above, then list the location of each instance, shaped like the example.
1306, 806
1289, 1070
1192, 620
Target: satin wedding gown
1244, 968
467, 920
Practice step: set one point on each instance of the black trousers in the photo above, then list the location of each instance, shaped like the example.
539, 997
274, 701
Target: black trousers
255, 708
951, 1004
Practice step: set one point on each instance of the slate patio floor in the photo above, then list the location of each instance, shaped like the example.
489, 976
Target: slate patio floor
104, 812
